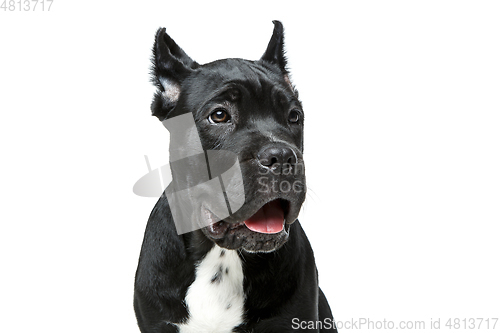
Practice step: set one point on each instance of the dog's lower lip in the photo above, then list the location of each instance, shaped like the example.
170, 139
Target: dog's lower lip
217, 228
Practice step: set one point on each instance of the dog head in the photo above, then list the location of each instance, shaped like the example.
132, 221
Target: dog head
249, 108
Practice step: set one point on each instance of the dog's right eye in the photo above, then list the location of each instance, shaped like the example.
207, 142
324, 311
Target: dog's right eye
219, 116
294, 117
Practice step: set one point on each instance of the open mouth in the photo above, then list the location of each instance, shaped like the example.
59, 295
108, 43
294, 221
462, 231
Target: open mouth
269, 219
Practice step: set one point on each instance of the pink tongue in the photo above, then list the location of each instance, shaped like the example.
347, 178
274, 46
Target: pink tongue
268, 220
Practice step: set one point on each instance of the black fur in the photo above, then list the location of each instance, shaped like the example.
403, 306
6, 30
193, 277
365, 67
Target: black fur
281, 281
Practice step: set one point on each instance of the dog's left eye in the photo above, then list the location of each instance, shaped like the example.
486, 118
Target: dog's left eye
294, 116
219, 116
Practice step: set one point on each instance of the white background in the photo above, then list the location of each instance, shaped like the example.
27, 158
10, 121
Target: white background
402, 151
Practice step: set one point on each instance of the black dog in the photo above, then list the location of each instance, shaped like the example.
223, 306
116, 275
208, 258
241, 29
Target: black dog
254, 271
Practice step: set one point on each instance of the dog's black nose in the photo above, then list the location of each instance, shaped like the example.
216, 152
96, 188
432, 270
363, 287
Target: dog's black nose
274, 157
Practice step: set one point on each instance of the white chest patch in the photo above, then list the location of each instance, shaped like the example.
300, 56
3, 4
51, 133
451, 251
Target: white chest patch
215, 299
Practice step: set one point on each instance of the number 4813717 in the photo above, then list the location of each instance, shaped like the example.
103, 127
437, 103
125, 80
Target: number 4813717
26, 5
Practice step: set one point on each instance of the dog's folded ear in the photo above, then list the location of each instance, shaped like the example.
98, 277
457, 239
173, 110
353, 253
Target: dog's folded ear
275, 52
171, 65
